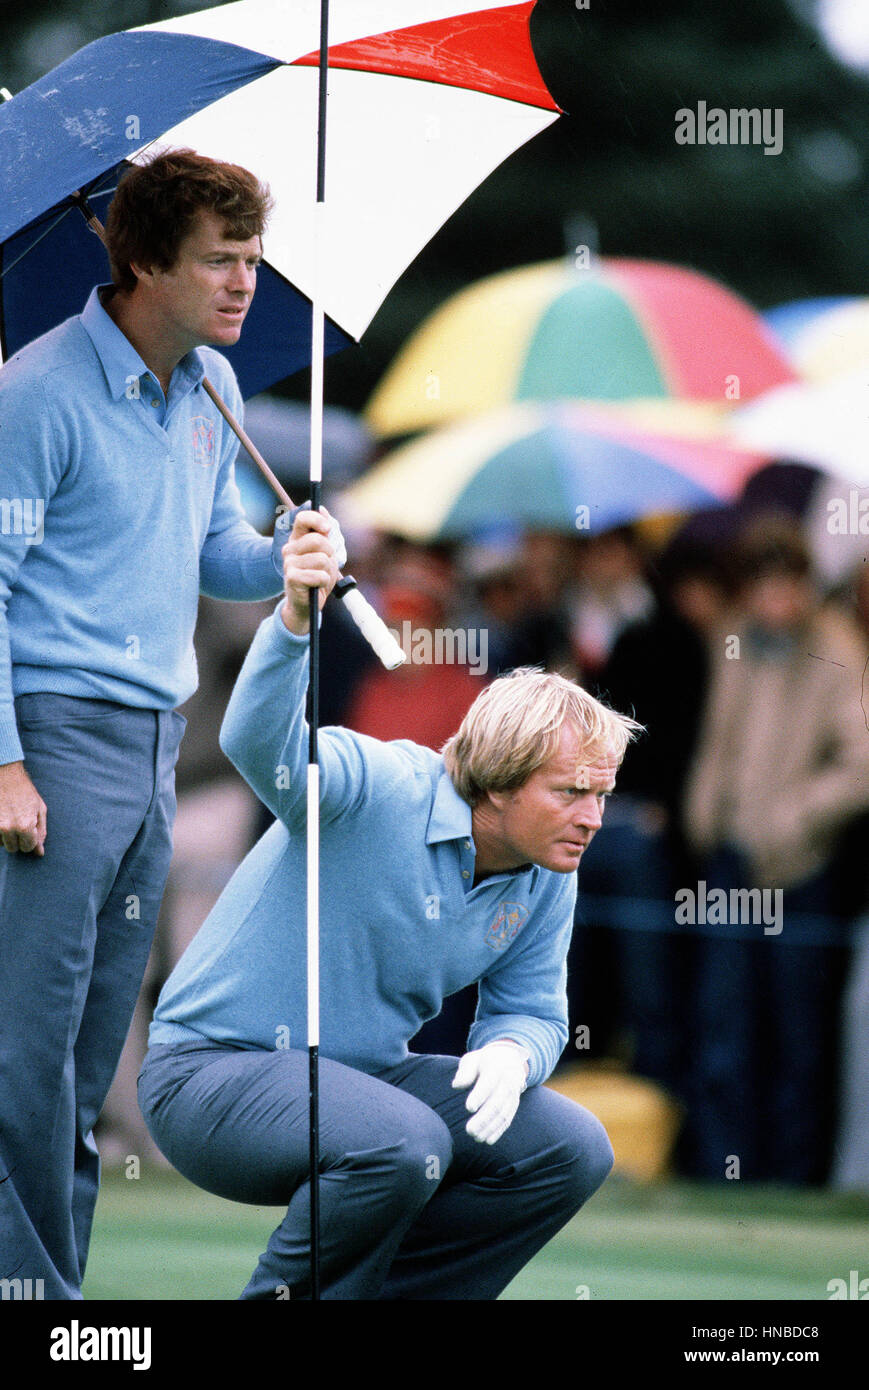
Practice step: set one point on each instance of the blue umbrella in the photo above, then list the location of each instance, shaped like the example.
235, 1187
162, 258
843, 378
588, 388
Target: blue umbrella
70, 133
239, 82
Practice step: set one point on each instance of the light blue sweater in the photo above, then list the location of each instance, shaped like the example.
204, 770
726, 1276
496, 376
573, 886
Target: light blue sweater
402, 925
116, 508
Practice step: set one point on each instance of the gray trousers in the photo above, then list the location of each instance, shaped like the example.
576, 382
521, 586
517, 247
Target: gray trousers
75, 932
411, 1207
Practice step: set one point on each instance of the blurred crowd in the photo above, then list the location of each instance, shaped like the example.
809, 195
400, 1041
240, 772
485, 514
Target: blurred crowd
747, 664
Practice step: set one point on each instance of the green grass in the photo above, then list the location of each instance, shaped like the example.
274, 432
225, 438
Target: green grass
158, 1237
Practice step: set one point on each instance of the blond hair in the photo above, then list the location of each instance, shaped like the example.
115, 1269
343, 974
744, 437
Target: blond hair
514, 726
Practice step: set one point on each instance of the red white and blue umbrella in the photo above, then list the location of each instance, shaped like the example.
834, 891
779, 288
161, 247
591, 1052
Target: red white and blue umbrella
425, 99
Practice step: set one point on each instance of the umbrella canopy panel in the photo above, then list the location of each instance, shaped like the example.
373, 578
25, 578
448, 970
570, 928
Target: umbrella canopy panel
824, 424
114, 95
125, 90
487, 48
833, 342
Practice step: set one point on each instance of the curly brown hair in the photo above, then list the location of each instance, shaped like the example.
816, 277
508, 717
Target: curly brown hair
156, 204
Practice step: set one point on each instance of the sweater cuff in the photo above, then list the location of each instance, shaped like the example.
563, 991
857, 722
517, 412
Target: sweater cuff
290, 642
10, 744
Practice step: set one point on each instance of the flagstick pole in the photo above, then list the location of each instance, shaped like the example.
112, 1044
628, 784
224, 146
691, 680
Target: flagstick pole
313, 860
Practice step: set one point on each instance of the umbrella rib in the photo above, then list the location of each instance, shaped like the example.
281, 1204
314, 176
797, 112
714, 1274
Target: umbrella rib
35, 243
91, 188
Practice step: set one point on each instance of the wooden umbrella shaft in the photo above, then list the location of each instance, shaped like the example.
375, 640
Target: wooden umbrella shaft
248, 443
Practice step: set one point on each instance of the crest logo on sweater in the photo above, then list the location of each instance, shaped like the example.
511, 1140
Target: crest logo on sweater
506, 925
203, 440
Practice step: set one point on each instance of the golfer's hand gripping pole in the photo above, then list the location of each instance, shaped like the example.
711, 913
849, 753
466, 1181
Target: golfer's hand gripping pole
366, 618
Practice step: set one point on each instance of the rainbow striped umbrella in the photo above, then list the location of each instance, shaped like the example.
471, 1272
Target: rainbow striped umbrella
620, 330
790, 320
546, 466
828, 339
824, 424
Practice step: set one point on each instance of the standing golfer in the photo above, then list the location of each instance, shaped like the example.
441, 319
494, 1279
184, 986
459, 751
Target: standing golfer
120, 470
436, 1181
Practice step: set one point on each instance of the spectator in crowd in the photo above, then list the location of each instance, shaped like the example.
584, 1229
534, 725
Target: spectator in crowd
501, 592
851, 1159
628, 966
611, 591
547, 561
782, 767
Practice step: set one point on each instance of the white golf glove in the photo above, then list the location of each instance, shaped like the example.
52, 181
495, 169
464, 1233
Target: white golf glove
499, 1070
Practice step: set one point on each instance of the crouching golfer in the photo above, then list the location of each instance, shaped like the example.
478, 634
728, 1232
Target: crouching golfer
437, 1181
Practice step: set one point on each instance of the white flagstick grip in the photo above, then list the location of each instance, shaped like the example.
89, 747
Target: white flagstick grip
373, 629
